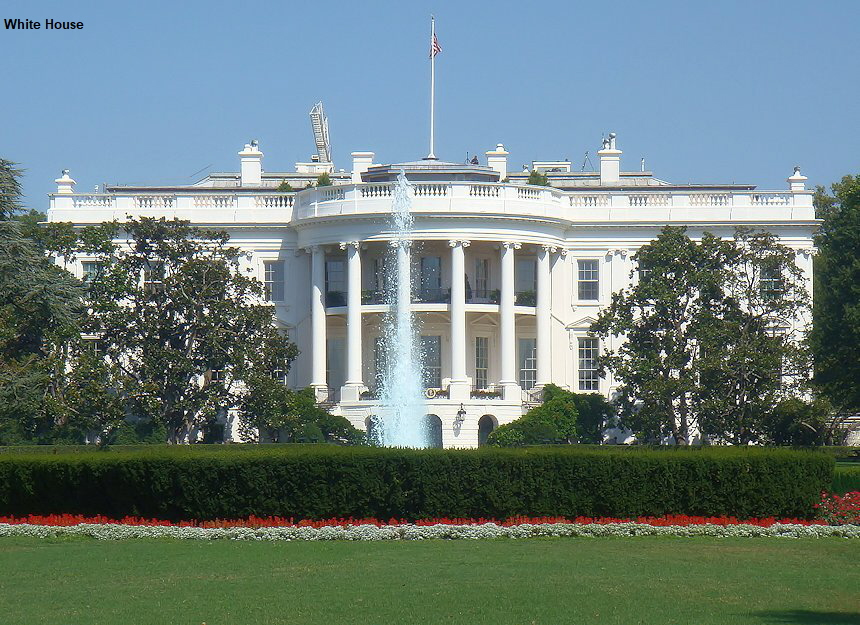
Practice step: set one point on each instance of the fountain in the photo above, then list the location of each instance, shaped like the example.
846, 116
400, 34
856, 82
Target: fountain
402, 388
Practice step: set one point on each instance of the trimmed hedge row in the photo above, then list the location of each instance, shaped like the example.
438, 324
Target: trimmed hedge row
846, 479
321, 482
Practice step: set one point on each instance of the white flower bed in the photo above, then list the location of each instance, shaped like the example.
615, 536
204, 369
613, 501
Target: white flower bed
111, 531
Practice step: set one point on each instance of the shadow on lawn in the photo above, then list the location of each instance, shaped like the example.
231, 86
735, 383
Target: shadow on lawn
809, 617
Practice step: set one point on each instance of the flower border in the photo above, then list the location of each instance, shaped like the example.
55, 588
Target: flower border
411, 531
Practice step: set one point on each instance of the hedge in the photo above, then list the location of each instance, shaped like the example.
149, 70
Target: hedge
322, 482
846, 479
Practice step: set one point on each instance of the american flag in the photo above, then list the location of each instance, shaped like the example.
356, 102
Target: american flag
435, 48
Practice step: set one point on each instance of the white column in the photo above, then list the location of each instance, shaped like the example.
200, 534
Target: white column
318, 322
543, 319
507, 325
353, 386
460, 385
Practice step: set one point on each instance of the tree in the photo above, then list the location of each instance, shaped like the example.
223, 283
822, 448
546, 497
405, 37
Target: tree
324, 180
182, 323
553, 422
538, 179
284, 416
706, 328
835, 336
284, 187
795, 421
40, 306
594, 415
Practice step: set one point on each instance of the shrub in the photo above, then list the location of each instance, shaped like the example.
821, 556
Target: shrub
553, 422
846, 479
328, 481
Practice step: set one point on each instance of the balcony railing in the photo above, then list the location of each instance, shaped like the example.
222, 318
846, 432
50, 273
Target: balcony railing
456, 196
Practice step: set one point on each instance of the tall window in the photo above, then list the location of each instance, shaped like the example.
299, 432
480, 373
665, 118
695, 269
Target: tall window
588, 279
431, 347
587, 364
431, 278
92, 269
380, 273
528, 363
770, 283
482, 277
335, 282
482, 359
380, 360
153, 277
525, 279
273, 279
335, 362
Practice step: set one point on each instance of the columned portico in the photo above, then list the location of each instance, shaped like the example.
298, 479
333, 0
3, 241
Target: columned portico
318, 322
460, 385
351, 390
507, 324
543, 316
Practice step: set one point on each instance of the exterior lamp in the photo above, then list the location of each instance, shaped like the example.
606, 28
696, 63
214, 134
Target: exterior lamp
461, 415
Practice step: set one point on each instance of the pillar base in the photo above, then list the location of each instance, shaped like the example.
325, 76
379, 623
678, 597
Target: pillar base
320, 392
460, 390
351, 392
511, 391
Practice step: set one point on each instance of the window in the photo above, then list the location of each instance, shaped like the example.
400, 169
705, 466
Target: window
588, 283
153, 276
380, 274
433, 429
431, 348
482, 348
335, 362
273, 279
587, 364
525, 280
770, 283
91, 270
279, 372
528, 363
482, 278
380, 360
335, 282
431, 279
94, 346
216, 374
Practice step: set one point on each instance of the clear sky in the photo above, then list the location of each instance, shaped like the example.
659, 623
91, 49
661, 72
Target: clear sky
152, 92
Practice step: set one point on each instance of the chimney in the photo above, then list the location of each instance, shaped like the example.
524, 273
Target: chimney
610, 162
498, 160
796, 181
361, 162
66, 185
252, 165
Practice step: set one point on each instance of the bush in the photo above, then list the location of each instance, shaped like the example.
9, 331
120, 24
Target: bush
845, 480
551, 423
328, 481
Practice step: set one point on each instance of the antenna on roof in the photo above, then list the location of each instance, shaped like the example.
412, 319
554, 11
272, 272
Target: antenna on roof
585, 161
319, 123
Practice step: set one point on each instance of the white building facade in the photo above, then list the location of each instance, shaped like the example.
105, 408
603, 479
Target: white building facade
508, 277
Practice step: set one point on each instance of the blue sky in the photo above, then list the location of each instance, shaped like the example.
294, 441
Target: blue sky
152, 92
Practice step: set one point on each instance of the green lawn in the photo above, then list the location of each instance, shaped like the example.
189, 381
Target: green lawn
553, 581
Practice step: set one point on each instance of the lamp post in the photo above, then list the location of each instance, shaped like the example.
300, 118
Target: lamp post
461, 415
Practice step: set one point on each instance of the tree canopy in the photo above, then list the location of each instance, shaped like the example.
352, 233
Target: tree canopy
712, 335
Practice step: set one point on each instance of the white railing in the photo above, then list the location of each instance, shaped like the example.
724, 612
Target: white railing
650, 199
154, 201
92, 201
483, 190
770, 199
430, 190
274, 201
376, 190
327, 194
589, 201
710, 199
528, 193
214, 201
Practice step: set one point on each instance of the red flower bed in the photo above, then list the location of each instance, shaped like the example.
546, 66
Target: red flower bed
833, 510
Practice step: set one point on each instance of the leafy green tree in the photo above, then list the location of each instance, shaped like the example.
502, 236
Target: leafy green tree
538, 179
324, 180
795, 421
286, 416
836, 330
707, 329
553, 422
285, 187
40, 306
182, 323
594, 414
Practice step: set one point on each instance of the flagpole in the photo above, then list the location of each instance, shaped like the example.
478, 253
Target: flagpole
432, 84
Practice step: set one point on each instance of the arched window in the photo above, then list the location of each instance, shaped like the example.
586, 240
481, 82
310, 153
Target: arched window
434, 430
373, 424
486, 424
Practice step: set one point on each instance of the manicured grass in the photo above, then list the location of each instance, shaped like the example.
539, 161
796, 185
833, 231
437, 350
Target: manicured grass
658, 581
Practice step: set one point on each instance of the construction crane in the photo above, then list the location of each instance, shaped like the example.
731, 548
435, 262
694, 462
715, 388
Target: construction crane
319, 123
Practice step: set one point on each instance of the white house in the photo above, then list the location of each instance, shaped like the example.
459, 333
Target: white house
509, 276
